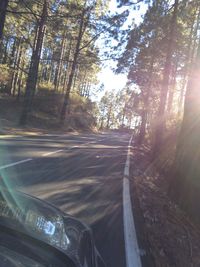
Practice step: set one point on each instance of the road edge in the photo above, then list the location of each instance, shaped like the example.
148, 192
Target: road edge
131, 244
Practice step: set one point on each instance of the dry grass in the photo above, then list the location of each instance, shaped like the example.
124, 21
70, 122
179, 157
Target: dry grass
45, 115
174, 238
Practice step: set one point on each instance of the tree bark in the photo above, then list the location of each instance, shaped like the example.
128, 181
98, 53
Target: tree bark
68, 66
60, 63
50, 71
5, 53
73, 68
189, 58
165, 84
87, 89
146, 104
20, 82
3, 8
34, 65
109, 117
172, 91
75, 78
185, 183
16, 68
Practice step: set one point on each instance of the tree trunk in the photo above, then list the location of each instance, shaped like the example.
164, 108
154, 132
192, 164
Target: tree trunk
16, 68
73, 68
75, 78
123, 115
34, 65
14, 47
185, 184
189, 58
87, 89
102, 121
5, 53
3, 8
68, 66
50, 71
172, 91
109, 116
165, 84
171, 96
143, 126
60, 63
146, 104
20, 82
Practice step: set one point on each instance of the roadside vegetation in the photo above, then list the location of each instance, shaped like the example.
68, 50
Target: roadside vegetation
48, 48
162, 58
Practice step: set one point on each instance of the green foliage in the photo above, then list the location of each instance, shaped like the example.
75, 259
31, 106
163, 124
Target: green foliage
146, 60
45, 86
162, 58
5, 76
116, 109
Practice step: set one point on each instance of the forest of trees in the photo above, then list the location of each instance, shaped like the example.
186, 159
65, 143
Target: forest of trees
51, 45
162, 58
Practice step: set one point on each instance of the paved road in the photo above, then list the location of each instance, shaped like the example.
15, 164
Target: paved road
80, 174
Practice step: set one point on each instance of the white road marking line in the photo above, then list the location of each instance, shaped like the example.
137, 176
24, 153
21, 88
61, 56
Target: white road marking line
51, 153
10, 136
131, 244
75, 147
83, 144
43, 155
14, 163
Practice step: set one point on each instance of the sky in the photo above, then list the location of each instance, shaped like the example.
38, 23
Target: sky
111, 80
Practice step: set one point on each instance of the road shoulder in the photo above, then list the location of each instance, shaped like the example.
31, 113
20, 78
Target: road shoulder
169, 238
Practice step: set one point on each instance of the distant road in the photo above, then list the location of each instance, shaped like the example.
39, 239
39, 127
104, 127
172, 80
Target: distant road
82, 175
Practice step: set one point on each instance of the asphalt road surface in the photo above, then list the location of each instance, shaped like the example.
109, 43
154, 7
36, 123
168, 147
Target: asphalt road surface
81, 174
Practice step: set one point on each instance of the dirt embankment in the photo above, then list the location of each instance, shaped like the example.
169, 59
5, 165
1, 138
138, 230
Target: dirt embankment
173, 238
45, 115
